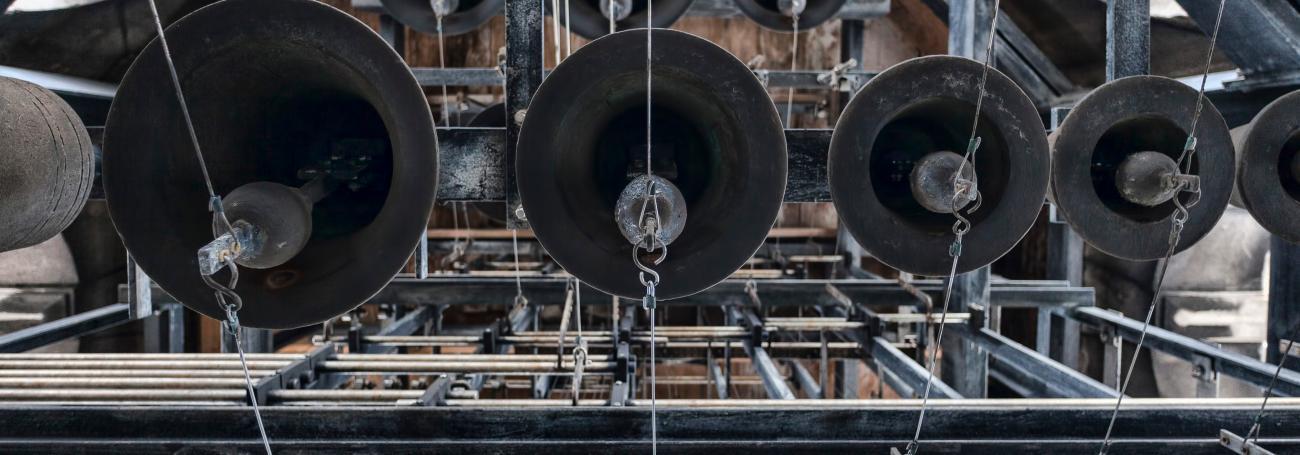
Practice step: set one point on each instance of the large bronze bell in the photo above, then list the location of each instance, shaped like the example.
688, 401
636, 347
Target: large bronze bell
779, 14
898, 146
461, 16
591, 17
1268, 167
717, 142
312, 128
48, 164
1114, 166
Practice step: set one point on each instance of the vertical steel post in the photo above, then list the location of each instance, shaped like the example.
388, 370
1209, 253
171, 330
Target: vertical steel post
523, 73
1128, 38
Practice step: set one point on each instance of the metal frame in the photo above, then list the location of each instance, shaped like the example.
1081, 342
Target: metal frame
410, 419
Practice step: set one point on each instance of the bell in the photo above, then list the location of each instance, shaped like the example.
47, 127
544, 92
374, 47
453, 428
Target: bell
780, 15
591, 17
1268, 167
1115, 173
48, 168
717, 167
458, 16
897, 150
313, 130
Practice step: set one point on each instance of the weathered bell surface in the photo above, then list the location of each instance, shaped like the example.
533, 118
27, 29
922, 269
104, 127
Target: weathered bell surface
46, 164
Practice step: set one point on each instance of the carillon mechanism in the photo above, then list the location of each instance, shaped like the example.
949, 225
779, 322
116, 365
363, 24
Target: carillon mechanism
46, 164
275, 165
312, 128
1268, 167
790, 15
895, 156
718, 150
591, 18
456, 16
1115, 170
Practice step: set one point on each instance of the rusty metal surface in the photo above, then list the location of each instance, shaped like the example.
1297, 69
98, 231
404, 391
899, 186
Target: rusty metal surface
717, 130
273, 86
922, 106
1268, 168
469, 15
48, 164
1127, 116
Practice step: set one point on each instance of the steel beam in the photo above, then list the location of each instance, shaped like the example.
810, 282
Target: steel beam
407, 325
1186, 348
986, 426
875, 293
1261, 36
1043, 376
904, 375
804, 378
72, 326
1128, 38
475, 166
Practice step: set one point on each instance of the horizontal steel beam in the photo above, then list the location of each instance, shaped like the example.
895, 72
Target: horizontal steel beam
472, 164
550, 291
62, 329
801, 79
1028, 368
858, 426
1190, 349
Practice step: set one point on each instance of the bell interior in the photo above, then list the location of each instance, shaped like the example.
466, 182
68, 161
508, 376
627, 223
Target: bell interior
279, 111
935, 125
1288, 166
1134, 135
696, 145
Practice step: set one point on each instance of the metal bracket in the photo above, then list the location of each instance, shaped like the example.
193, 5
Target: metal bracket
1239, 445
296, 375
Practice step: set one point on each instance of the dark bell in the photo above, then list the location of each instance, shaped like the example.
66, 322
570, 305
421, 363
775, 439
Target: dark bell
590, 22
774, 14
281, 92
46, 164
1268, 167
466, 15
1106, 172
717, 138
891, 164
